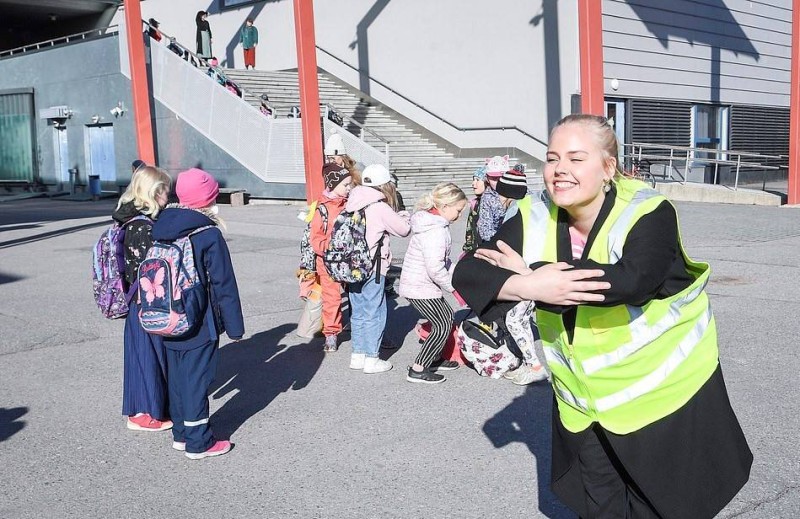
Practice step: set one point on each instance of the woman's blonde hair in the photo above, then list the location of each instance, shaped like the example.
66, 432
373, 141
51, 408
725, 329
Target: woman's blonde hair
350, 165
146, 185
603, 132
444, 194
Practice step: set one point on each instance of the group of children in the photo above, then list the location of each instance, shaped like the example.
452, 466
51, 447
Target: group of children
427, 267
166, 379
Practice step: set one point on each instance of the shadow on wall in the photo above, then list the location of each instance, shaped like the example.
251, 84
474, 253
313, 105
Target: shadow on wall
527, 419
257, 370
214, 8
10, 423
549, 17
710, 23
362, 42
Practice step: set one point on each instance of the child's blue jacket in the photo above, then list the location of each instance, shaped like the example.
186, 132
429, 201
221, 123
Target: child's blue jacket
213, 261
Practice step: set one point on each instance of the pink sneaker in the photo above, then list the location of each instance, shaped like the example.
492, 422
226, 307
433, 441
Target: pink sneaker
145, 422
218, 449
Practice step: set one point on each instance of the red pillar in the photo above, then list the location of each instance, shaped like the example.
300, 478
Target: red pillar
794, 114
590, 31
139, 87
309, 96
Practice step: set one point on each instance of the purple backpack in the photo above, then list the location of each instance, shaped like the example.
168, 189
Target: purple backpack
108, 268
172, 297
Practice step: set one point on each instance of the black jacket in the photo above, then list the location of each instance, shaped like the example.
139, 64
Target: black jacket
138, 239
224, 313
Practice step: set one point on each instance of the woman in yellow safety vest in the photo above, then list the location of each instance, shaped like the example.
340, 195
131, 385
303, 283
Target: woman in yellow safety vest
642, 424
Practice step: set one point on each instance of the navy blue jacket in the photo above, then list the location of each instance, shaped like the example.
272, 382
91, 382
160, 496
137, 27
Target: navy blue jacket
224, 314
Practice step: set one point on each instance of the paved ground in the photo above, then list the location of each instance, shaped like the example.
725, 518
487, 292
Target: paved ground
314, 440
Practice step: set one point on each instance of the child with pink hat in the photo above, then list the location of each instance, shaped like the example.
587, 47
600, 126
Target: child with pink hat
491, 210
192, 358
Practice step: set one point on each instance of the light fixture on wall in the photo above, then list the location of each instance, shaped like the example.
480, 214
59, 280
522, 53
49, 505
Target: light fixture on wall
615, 84
119, 110
96, 119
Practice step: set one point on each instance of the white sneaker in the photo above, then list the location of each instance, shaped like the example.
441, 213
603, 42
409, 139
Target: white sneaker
529, 374
376, 365
357, 360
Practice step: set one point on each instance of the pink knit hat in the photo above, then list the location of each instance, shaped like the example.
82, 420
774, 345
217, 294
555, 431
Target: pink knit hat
196, 188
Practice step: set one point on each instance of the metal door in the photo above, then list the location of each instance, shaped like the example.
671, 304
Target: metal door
101, 152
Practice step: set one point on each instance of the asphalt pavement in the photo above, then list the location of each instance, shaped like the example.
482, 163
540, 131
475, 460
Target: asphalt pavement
314, 439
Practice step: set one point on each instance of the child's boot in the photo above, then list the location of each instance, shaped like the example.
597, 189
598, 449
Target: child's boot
331, 343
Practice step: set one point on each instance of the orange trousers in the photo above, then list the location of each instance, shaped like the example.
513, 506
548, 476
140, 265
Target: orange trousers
331, 301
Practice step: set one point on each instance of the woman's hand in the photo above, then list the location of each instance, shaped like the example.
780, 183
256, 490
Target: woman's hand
555, 284
505, 257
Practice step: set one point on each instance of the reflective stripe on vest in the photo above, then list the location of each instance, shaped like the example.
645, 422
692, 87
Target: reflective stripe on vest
618, 232
652, 381
535, 211
642, 333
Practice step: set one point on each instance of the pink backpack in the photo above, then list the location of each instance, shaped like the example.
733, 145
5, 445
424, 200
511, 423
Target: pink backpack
172, 298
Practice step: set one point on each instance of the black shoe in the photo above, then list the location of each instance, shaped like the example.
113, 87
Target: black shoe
424, 377
445, 365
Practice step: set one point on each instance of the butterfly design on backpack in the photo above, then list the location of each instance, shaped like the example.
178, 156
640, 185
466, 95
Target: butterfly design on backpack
154, 288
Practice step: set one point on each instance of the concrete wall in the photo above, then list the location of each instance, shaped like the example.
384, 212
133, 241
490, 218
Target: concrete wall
468, 63
84, 76
731, 51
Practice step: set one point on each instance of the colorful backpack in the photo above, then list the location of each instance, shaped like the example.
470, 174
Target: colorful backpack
172, 298
347, 257
108, 271
308, 259
488, 354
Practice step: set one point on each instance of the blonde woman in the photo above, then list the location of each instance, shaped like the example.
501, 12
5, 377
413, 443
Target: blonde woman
427, 275
144, 386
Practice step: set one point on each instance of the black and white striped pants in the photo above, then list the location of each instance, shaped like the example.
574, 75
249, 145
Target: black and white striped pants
440, 315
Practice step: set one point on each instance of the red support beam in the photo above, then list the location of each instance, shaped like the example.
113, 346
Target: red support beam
309, 96
794, 114
139, 86
590, 31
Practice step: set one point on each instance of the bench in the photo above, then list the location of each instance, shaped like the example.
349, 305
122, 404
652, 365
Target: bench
236, 196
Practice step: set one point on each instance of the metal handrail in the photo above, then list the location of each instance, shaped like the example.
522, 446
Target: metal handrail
428, 111
690, 158
199, 61
61, 39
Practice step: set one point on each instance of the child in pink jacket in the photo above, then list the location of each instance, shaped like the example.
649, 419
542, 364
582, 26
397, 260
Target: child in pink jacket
377, 196
427, 273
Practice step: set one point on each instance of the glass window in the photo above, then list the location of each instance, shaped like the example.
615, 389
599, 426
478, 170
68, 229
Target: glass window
234, 3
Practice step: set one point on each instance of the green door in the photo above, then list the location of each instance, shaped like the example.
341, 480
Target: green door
16, 134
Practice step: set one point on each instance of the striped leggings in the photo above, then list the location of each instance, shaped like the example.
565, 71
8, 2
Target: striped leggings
440, 315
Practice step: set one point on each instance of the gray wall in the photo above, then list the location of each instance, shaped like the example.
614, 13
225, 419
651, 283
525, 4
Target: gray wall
473, 63
84, 76
731, 51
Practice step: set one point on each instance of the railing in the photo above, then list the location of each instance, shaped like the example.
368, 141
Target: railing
59, 41
687, 157
197, 61
427, 110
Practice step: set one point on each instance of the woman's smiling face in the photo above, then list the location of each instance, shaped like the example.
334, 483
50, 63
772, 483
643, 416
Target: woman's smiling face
576, 168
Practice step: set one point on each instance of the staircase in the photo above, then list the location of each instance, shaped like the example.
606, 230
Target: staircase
418, 162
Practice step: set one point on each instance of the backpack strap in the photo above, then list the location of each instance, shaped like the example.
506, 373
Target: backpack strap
135, 218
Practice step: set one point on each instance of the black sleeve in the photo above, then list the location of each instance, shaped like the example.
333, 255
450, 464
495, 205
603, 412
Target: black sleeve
648, 257
479, 282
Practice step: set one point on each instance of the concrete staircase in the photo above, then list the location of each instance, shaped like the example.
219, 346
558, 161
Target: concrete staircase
417, 160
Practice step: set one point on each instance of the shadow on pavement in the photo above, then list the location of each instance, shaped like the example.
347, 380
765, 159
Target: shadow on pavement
8, 278
400, 321
259, 369
52, 234
10, 423
527, 419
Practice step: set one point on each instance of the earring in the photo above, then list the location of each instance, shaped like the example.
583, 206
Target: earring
606, 185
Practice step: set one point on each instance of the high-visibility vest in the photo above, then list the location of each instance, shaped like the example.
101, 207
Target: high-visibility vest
626, 366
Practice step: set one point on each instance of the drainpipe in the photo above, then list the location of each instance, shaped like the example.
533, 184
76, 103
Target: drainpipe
794, 114
139, 87
590, 31
309, 96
